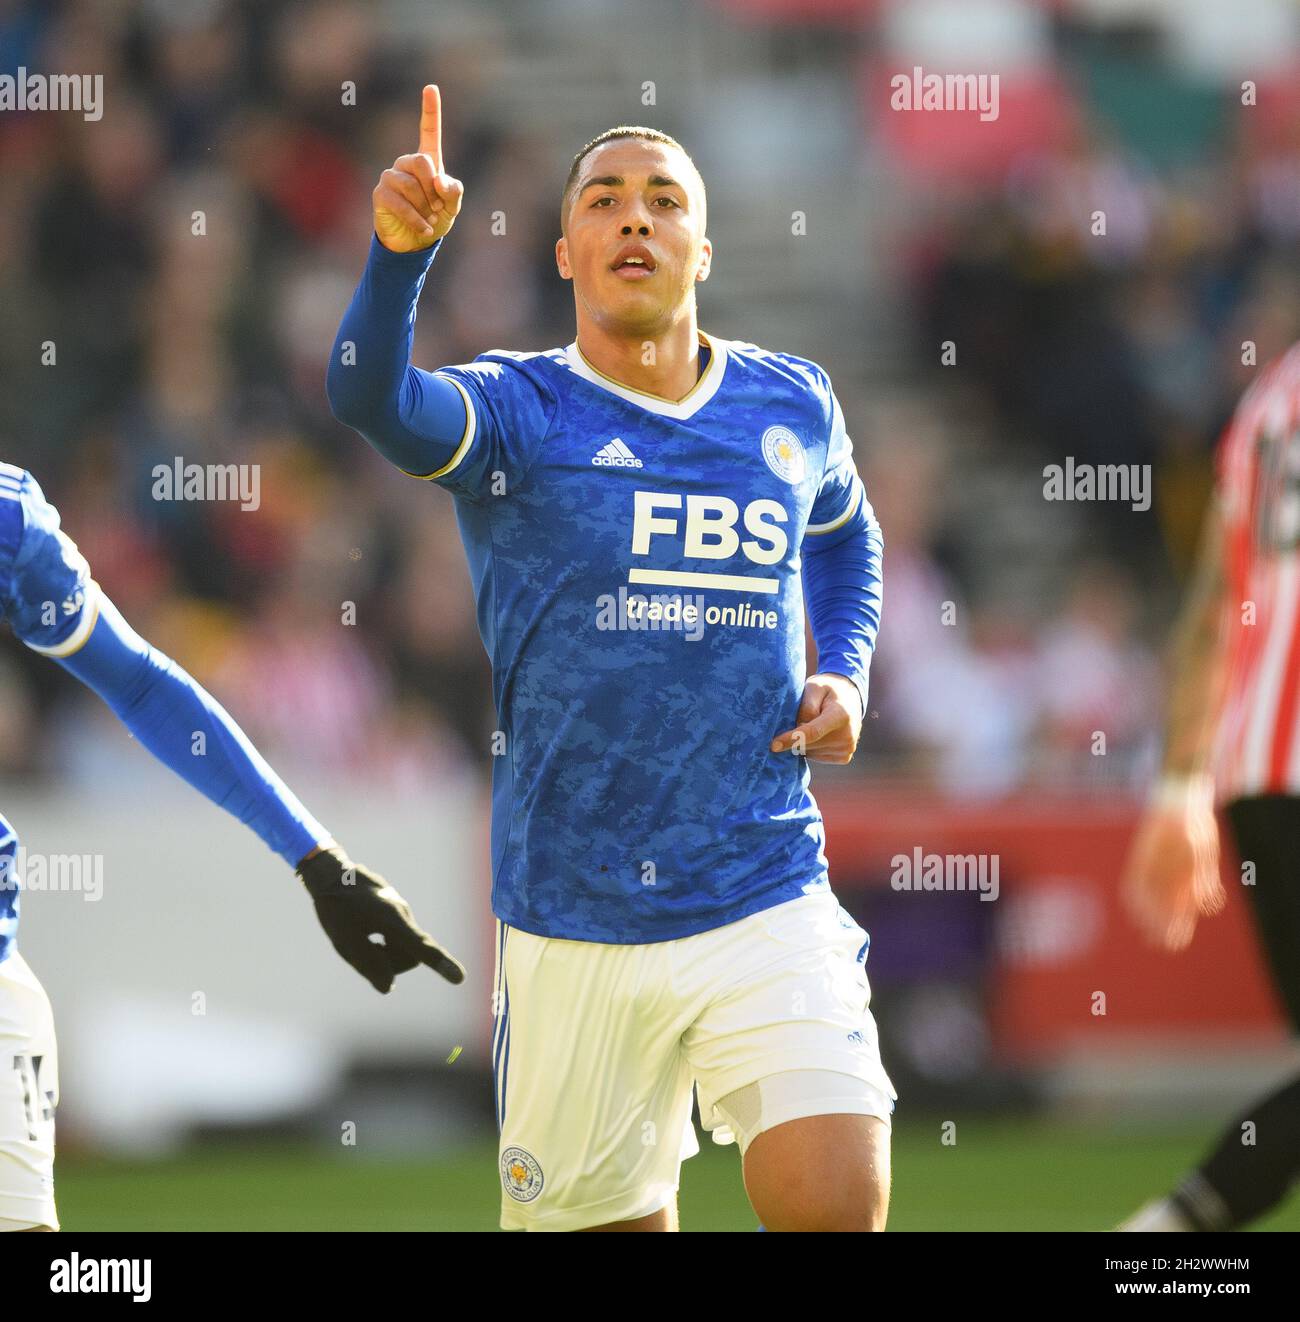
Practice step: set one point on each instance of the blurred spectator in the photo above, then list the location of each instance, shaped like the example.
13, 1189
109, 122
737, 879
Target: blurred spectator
187, 258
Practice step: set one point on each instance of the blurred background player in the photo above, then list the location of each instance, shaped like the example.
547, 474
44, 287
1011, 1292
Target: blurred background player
56, 608
1233, 737
665, 914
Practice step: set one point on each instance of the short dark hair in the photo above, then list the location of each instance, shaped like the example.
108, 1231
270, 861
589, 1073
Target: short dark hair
611, 135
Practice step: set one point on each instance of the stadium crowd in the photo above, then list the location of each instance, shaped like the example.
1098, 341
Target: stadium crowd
171, 277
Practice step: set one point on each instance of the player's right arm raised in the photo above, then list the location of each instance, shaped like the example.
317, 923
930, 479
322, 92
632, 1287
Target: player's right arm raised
414, 419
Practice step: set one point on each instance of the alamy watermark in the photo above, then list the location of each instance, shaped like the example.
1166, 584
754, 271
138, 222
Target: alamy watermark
671, 612
919, 871
26, 91
666, 612
24, 870
1123, 482
919, 90
77, 1275
181, 481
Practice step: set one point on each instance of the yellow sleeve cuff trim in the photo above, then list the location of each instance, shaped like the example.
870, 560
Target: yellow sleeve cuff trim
817, 529
85, 626
465, 441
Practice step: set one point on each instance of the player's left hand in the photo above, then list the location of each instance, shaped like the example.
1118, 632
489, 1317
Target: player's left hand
354, 904
830, 721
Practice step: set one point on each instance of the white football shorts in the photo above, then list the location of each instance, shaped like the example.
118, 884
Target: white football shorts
596, 1049
29, 1092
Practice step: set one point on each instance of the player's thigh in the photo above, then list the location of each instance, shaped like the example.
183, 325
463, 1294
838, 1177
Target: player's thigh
28, 1095
1266, 832
593, 1089
786, 989
787, 1033
823, 1172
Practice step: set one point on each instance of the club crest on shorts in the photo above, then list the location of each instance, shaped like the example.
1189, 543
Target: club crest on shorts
784, 453
521, 1174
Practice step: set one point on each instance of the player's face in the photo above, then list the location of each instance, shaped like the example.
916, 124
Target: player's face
635, 200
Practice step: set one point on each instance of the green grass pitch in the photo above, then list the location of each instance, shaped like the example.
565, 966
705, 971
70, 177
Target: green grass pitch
998, 1176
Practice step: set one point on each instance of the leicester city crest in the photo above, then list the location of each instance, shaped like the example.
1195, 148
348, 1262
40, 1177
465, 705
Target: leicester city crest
784, 454
521, 1174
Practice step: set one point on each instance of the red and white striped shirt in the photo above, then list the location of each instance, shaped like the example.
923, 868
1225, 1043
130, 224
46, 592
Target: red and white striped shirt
1259, 492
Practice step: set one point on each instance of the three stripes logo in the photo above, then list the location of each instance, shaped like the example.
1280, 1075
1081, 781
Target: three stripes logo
615, 455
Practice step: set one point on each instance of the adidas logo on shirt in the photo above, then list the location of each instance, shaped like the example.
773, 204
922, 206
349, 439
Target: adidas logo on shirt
616, 455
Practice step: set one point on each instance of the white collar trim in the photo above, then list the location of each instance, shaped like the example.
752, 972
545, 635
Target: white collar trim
696, 398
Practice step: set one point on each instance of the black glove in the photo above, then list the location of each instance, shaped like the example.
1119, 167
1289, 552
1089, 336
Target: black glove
352, 903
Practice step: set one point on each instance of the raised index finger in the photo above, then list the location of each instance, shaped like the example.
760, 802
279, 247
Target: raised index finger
431, 126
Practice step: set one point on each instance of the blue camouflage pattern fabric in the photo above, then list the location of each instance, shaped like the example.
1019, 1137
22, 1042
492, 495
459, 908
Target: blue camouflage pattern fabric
635, 798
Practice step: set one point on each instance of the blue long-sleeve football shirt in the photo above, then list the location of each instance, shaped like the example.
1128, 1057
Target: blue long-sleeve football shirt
641, 568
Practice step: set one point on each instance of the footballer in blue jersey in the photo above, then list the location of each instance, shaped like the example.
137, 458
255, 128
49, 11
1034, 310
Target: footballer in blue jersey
54, 606
647, 513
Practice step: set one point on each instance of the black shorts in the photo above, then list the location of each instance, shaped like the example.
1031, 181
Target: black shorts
1267, 831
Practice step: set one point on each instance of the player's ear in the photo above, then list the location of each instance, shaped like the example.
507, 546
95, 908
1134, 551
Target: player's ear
706, 261
562, 258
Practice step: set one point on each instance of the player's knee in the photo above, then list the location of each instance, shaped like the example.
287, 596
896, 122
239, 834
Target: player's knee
820, 1200
855, 1217
854, 1210
858, 1218
864, 1209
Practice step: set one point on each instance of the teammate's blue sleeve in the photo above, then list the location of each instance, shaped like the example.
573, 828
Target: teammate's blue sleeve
843, 553
48, 596
473, 428
55, 607
185, 728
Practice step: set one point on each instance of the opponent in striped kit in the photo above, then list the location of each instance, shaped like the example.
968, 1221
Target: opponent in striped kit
1259, 502
647, 512
1234, 738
